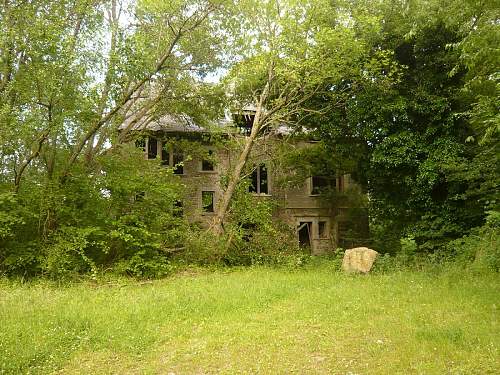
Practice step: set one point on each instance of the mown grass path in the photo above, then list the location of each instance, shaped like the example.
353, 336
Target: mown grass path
256, 321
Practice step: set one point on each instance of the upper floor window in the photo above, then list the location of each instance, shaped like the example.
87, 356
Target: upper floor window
172, 157
320, 184
207, 163
260, 183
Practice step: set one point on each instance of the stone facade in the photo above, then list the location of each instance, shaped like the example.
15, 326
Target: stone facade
301, 206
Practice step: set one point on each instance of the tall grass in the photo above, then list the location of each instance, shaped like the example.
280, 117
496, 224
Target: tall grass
258, 320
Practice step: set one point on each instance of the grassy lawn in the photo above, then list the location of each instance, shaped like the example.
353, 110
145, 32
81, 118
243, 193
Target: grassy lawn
260, 320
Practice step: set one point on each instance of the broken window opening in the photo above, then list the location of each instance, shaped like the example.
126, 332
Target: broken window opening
178, 209
244, 122
260, 184
319, 184
207, 164
140, 143
207, 201
322, 229
173, 159
248, 230
152, 148
177, 162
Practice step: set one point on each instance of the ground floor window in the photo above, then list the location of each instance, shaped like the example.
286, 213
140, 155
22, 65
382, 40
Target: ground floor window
178, 209
207, 201
304, 234
323, 229
152, 148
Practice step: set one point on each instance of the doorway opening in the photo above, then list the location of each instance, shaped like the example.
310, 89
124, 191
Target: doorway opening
304, 234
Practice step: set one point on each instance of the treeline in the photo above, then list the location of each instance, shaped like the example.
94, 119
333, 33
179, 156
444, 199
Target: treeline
401, 94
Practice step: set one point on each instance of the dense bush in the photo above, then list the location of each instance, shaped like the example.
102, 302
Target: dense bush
119, 216
252, 236
481, 248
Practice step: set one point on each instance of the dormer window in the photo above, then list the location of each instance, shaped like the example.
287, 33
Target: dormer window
244, 122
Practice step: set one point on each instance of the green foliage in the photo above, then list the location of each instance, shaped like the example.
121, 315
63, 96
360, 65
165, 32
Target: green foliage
96, 223
69, 252
409, 120
256, 237
481, 248
9, 218
70, 73
252, 236
402, 95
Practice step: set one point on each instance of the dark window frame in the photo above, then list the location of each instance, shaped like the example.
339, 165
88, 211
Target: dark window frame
322, 183
207, 164
172, 157
152, 148
260, 180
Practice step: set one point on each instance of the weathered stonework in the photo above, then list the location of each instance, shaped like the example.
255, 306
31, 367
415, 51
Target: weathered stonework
316, 223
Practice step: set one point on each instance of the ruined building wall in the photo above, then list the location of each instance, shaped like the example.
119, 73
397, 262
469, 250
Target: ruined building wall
300, 206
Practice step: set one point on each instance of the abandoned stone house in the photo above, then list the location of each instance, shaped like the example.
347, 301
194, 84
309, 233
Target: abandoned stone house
318, 226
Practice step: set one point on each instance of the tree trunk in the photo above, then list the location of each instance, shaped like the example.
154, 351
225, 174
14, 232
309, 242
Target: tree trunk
223, 206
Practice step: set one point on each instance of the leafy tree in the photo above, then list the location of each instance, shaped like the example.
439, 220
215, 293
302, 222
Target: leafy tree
409, 119
285, 52
70, 73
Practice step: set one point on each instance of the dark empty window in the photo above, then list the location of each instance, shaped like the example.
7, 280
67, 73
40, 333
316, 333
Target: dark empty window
152, 148
178, 209
172, 158
165, 155
207, 163
178, 158
207, 201
320, 184
260, 184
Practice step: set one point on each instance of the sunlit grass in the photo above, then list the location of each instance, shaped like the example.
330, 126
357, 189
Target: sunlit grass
259, 320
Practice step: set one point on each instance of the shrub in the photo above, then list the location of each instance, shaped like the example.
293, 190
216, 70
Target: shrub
481, 248
9, 215
67, 253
